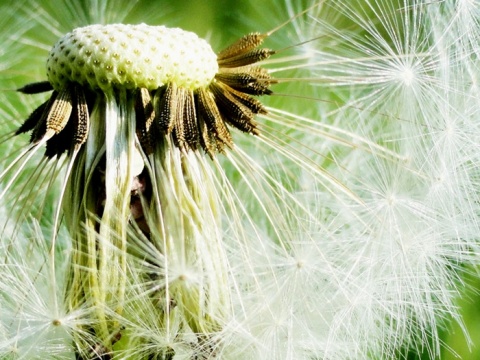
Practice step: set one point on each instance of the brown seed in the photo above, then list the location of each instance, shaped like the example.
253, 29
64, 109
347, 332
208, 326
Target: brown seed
208, 111
60, 111
81, 118
36, 87
247, 58
242, 45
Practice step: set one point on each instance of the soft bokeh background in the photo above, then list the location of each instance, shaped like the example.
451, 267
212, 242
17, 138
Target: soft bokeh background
219, 21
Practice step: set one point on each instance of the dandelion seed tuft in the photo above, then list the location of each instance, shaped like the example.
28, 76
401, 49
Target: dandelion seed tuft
407, 75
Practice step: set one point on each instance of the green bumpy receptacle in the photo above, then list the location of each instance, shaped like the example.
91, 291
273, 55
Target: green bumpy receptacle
131, 56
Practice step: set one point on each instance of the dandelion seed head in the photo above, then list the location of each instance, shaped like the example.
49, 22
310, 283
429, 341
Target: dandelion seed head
335, 233
132, 56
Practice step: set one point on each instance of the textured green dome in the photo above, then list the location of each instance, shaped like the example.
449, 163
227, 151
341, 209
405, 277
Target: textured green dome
131, 56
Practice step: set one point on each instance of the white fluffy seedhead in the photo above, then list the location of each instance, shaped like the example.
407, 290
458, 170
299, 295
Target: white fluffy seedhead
131, 56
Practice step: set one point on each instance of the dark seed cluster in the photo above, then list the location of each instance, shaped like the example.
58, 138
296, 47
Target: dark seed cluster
63, 119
